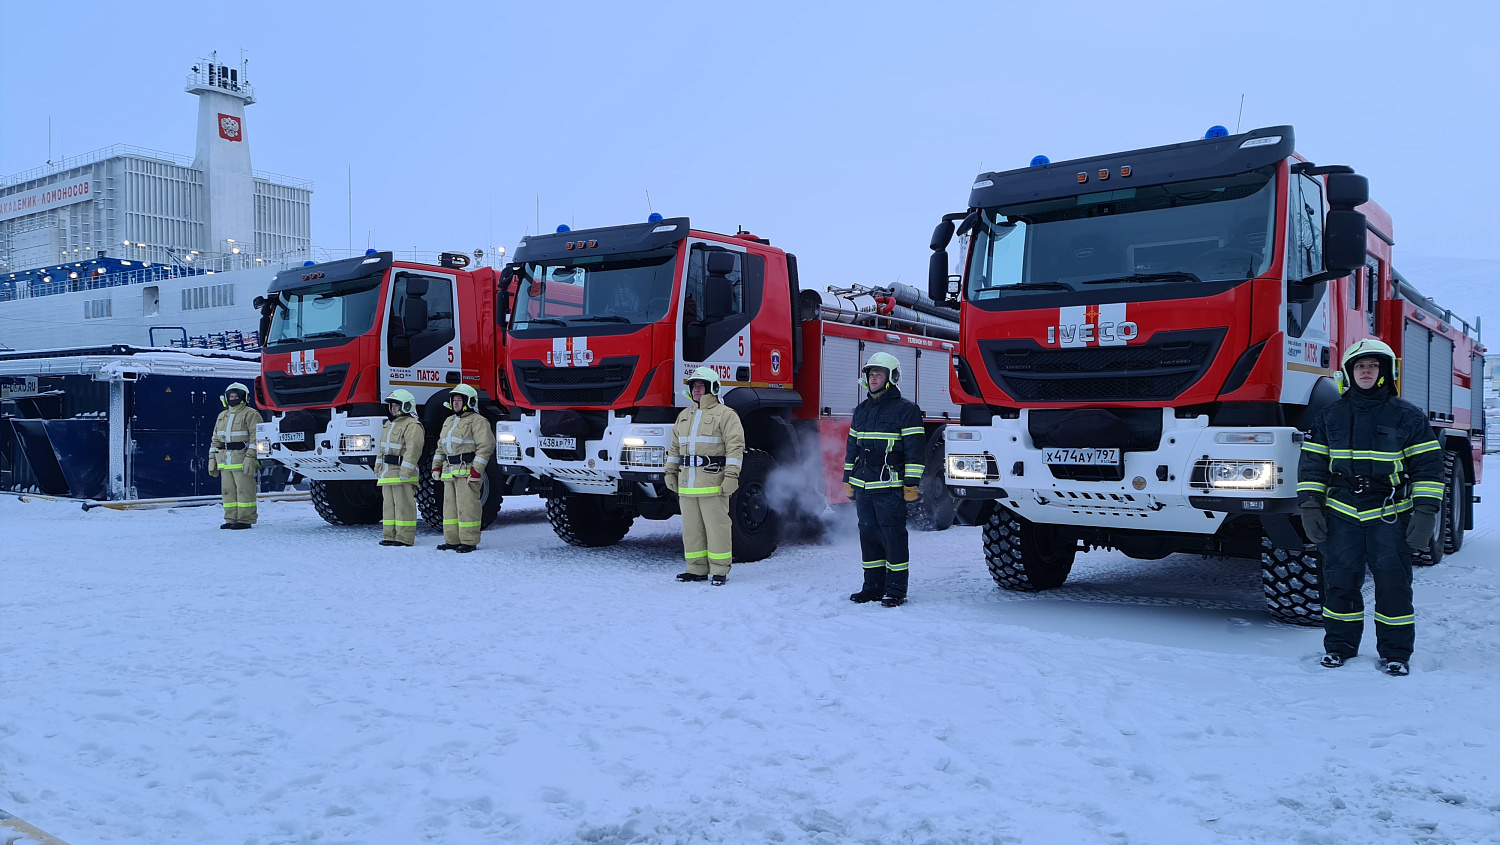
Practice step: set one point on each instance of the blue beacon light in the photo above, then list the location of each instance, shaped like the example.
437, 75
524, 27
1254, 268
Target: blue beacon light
654, 218
1038, 161
370, 251
563, 227
309, 263
1215, 131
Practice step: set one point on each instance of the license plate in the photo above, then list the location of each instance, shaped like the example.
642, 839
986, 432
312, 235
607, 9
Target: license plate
292, 437
557, 442
1087, 457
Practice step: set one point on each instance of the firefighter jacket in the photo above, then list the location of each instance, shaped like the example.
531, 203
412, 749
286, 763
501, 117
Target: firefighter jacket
707, 446
1370, 457
401, 442
467, 441
886, 444
233, 444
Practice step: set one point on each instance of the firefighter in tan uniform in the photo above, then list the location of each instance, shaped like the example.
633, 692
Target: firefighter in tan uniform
464, 449
396, 473
231, 456
704, 460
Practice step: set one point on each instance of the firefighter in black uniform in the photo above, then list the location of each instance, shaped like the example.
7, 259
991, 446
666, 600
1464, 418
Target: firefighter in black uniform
1373, 462
882, 467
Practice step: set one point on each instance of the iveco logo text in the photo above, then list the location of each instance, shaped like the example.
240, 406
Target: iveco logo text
570, 352
1106, 332
304, 362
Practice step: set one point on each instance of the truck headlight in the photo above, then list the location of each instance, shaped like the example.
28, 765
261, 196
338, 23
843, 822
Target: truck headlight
355, 442
967, 466
1234, 475
508, 451
505, 437
262, 447
652, 457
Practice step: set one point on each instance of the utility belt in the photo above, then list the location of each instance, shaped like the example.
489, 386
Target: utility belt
238, 444
465, 458
876, 458
713, 463
1379, 484
393, 460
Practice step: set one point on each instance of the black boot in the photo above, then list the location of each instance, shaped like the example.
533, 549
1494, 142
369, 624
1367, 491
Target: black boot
240, 526
227, 525
691, 576
893, 601
464, 548
718, 580
874, 586
390, 543
866, 595
443, 547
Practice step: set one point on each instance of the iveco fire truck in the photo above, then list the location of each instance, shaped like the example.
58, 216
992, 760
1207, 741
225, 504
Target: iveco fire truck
606, 323
1146, 335
341, 335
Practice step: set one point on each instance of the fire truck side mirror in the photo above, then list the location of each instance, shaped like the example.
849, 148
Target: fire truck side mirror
1347, 190
259, 302
942, 235
1344, 241
937, 276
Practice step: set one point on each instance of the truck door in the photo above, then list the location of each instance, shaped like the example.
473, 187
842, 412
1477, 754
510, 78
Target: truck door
421, 350
722, 291
1309, 353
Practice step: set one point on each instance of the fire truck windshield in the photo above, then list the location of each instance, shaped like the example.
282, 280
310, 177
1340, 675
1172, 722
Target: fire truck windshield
1207, 230
328, 310
630, 287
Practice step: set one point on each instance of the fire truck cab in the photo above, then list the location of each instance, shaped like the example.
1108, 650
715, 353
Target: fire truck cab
339, 336
1146, 335
607, 323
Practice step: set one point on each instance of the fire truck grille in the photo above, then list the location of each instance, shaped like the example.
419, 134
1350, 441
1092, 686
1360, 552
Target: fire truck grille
319, 388
1160, 369
574, 387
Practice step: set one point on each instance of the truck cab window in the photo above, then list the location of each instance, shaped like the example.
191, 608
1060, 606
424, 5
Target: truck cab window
421, 319
1304, 254
721, 293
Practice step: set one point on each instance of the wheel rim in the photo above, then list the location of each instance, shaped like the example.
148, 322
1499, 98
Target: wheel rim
753, 508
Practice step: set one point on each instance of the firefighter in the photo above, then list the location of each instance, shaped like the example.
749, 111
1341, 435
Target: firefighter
882, 468
396, 471
463, 450
704, 459
1370, 484
231, 456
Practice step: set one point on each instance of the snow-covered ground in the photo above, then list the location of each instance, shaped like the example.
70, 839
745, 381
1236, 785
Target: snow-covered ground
166, 682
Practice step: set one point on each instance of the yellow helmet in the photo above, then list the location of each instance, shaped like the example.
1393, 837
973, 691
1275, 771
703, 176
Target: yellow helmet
703, 374
470, 395
408, 401
1390, 365
244, 394
885, 361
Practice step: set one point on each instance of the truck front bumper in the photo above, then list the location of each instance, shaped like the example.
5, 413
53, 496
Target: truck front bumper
627, 452
1196, 477
343, 451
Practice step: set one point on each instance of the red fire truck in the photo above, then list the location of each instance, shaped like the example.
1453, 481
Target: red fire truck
339, 336
1146, 335
607, 322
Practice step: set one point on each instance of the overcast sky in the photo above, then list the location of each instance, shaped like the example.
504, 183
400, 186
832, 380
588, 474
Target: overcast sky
841, 132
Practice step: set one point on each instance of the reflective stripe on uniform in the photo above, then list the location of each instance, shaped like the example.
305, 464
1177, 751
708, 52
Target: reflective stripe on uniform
897, 567
916, 429
914, 469
1311, 487
1372, 513
231, 466
697, 491
873, 435
1356, 616
450, 522
1428, 489
695, 555
720, 555
400, 523
239, 504
1408, 619
1421, 448
873, 485
467, 524
1315, 448
874, 564
380, 481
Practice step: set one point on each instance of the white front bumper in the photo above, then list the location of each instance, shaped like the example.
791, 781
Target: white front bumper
1143, 499
344, 451
599, 466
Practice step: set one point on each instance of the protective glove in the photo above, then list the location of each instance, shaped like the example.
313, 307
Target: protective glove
729, 485
437, 474
213, 469
476, 475
251, 464
672, 481
1420, 529
848, 489
1314, 522
910, 494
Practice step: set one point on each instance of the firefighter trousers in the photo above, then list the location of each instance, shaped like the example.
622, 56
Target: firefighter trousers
461, 511
882, 540
398, 509
238, 490
1380, 547
706, 534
